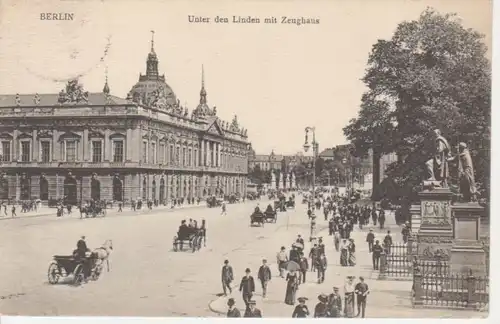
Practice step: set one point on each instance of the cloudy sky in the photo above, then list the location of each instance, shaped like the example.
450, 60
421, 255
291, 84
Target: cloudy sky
277, 78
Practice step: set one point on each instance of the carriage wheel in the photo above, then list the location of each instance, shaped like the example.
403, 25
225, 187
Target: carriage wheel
193, 245
78, 275
175, 244
53, 274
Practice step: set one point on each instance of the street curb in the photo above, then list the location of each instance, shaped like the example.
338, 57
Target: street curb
210, 303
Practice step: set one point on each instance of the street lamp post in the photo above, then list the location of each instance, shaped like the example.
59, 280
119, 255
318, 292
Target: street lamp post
315, 154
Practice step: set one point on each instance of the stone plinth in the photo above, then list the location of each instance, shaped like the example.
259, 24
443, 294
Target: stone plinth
467, 253
416, 218
435, 235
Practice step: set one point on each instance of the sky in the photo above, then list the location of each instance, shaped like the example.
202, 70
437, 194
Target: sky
277, 78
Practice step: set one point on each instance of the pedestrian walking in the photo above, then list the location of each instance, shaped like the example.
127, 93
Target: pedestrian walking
223, 207
227, 277
388, 242
313, 255
352, 253
281, 260
321, 309
13, 210
335, 303
349, 297
120, 207
232, 311
321, 266
264, 276
301, 310
374, 216
381, 218
361, 290
247, 287
405, 232
344, 253
370, 238
304, 266
376, 252
291, 287
252, 310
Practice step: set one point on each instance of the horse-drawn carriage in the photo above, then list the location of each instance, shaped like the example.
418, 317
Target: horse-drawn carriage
258, 218
290, 203
65, 265
192, 237
214, 202
93, 210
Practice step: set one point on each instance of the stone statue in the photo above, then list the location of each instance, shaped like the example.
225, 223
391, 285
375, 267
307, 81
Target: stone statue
215, 110
273, 177
18, 99
437, 166
466, 179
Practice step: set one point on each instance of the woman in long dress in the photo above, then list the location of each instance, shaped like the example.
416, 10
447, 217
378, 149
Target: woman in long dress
291, 287
337, 240
352, 253
349, 297
344, 253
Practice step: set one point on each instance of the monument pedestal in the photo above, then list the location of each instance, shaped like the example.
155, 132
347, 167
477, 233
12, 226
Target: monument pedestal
435, 235
467, 254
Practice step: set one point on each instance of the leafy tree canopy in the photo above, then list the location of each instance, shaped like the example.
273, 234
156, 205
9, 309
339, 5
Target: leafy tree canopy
431, 74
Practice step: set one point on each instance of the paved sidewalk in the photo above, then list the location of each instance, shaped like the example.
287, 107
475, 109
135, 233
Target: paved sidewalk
387, 298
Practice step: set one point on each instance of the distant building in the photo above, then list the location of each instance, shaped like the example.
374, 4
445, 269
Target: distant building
385, 161
327, 154
274, 161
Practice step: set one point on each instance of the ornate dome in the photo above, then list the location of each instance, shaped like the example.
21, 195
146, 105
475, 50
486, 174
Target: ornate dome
152, 90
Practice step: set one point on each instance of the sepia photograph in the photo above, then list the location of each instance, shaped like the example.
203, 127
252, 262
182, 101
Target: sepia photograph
266, 159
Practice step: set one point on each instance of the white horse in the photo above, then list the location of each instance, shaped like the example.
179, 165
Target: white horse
102, 254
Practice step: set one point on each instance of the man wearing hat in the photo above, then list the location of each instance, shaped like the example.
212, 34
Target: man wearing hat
232, 311
335, 303
405, 231
299, 240
247, 287
252, 311
281, 260
377, 251
361, 291
321, 309
264, 276
227, 277
370, 238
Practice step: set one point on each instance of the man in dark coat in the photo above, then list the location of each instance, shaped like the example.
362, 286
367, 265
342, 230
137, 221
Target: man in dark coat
232, 311
388, 242
247, 287
299, 240
252, 311
361, 291
376, 252
264, 276
370, 238
227, 277
304, 266
321, 264
335, 303
381, 218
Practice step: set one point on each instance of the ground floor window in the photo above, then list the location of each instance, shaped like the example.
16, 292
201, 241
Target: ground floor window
153, 190
162, 190
95, 190
25, 189
4, 189
117, 189
44, 189
144, 190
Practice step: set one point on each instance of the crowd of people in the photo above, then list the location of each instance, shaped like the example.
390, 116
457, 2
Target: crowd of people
294, 265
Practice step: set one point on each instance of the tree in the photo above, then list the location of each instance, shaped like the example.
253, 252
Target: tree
432, 74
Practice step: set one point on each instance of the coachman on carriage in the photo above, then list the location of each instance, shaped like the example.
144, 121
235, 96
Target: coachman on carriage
191, 235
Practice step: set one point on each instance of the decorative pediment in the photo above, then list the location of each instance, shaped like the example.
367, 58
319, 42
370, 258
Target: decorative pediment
24, 136
215, 129
44, 134
95, 134
117, 135
69, 135
6, 136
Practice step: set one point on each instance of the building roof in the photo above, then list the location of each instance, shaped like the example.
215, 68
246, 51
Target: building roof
52, 99
329, 152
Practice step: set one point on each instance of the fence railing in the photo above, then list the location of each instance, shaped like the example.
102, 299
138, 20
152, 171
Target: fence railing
435, 286
397, 261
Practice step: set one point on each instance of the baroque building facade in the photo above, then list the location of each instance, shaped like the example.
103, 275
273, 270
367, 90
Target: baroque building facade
78, 146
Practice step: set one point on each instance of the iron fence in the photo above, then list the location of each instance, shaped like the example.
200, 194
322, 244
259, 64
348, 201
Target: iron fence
435, 286
397, 261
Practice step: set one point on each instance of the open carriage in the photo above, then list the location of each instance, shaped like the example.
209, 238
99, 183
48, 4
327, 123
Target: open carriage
65, 265
258, 218
192, 238
290, 203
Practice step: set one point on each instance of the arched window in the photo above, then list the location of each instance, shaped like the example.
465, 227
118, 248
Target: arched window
144, 189
4, 188
117, 189
70, 191
95, 190
44, 189
153, 190
162, 190
25, 188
